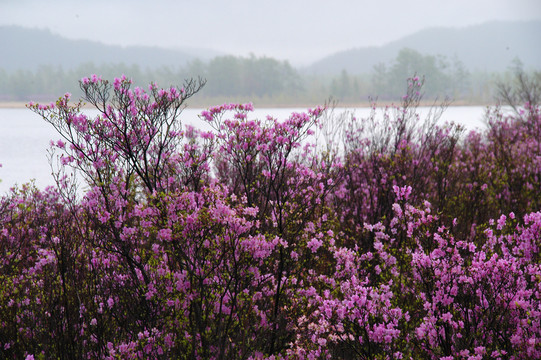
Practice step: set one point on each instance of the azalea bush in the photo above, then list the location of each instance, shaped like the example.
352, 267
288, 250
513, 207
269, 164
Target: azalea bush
308, 237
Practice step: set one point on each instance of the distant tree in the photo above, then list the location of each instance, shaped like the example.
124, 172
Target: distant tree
249, 77
522, 89
460, 78
266, 76
407, 62
345, 84
195, 68
342, 87
21, 84
4, 93
380, 80
224, 74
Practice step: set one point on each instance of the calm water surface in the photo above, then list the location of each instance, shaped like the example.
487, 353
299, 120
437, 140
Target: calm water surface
25, 138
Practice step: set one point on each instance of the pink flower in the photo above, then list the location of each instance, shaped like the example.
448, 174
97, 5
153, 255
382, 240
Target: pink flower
314, 244
165, 234
501, 222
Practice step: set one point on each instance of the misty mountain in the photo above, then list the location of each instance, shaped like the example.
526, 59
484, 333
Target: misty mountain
24, 48
486, 47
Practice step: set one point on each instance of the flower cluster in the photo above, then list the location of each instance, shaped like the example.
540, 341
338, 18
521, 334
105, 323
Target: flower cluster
401, 239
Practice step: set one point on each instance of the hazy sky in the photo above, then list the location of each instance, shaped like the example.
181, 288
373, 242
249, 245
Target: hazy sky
298, 30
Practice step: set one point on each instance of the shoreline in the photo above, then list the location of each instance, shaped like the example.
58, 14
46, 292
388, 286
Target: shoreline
267, 105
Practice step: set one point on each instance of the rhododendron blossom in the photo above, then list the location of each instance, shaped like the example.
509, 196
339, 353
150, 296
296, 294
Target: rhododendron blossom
396, 238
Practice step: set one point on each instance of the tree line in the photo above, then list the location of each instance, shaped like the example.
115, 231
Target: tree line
269, 81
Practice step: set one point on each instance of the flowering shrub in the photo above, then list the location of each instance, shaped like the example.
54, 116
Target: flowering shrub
252, 241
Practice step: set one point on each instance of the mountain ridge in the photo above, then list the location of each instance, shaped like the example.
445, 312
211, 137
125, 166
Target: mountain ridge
29, 48
490, 46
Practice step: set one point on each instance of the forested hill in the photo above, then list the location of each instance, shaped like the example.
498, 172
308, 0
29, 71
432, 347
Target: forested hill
486, 47
24, 48
463, 64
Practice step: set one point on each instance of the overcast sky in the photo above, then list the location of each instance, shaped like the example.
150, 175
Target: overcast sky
297, 30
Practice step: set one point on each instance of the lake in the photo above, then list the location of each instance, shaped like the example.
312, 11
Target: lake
25, 138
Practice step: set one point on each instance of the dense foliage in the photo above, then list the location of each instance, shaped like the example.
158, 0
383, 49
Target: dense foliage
317, 236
